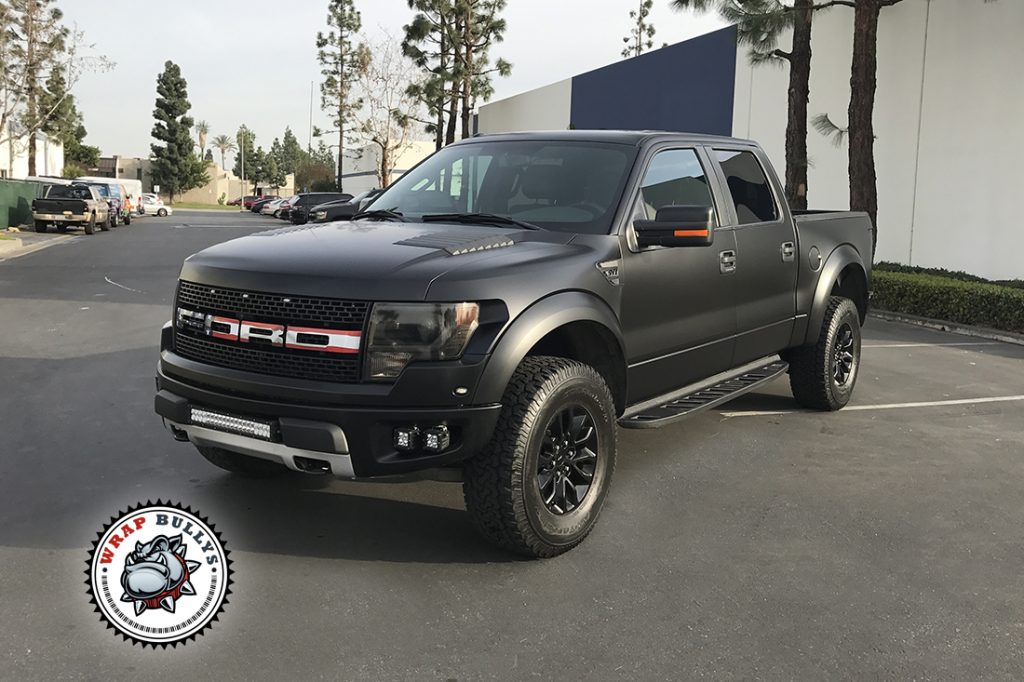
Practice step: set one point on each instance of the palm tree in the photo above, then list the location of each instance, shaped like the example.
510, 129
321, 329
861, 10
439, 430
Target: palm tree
759, 23
202, 130
225, 144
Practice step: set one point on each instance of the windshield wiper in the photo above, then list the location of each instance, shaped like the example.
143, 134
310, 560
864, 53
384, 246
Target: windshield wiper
481, 218
381, 214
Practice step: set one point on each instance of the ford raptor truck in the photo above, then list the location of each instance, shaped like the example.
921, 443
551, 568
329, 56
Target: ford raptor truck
498, 311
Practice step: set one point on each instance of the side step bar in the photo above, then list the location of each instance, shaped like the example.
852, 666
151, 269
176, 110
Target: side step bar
699, 397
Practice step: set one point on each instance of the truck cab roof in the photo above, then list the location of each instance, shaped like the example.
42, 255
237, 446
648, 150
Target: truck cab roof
628, 137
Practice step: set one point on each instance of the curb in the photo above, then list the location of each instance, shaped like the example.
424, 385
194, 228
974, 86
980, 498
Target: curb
952, 327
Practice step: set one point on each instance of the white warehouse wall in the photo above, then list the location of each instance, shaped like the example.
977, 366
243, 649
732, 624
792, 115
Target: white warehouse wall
947, 118
546, 108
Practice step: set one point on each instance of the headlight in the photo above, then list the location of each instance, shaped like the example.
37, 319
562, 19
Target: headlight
320, 215
401, 333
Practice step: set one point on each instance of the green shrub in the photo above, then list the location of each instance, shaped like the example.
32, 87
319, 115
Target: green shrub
222, 198
952, 300
941, 272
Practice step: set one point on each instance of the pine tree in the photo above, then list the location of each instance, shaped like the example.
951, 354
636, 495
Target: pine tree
480, 26
641, 34
34, 40
64, 123
429, 41
292, 153
175, 166
342, 61
245, 141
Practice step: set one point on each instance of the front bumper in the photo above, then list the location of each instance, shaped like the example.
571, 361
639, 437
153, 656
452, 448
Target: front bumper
354, 440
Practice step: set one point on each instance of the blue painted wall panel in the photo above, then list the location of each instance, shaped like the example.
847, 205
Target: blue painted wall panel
685, 87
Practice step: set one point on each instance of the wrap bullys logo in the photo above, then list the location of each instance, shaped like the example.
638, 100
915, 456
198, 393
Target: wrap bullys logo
159, 574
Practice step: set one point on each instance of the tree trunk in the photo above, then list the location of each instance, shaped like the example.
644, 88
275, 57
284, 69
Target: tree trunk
453, 94
467, 75
31, 84
439, 103
341, 145
385, 166
863, 186
799, 93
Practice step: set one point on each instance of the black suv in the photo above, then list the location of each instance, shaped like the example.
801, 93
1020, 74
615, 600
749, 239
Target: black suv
299, 213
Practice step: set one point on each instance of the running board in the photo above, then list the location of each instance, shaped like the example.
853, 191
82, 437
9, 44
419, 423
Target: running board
697, 398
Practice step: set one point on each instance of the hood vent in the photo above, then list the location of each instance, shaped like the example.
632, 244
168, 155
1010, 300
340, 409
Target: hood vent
458, 243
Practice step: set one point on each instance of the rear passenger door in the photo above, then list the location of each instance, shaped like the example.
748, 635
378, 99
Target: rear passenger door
766, 262
677, 302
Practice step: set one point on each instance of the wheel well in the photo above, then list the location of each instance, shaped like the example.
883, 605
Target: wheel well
592, 344
852, 283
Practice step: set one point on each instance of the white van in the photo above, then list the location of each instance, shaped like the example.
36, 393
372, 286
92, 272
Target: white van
133, 187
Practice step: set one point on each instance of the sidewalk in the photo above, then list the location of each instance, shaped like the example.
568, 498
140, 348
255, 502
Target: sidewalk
14, 244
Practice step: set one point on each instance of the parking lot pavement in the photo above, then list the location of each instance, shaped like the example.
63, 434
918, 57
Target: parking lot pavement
754, 541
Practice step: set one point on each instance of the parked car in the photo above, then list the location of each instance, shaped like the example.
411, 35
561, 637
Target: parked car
152, 205
332, 211
271, 207
299, 213
284, 210
70, 205
495, 332
249, 201
263, 201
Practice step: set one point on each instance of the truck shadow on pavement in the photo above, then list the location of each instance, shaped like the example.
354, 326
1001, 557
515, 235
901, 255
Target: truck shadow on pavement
322, 517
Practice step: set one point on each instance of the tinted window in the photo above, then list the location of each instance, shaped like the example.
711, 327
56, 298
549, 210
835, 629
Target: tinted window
558, 185
748, 186
673, 178
68, 192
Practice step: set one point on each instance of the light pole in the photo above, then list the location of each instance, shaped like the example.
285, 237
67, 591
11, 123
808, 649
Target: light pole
241, 148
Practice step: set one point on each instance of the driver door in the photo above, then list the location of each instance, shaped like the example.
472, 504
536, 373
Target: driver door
678, 312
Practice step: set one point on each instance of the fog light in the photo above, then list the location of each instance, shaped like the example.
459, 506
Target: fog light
407, 438
436, 439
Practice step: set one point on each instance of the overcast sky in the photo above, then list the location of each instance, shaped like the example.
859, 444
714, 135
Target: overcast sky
252, 61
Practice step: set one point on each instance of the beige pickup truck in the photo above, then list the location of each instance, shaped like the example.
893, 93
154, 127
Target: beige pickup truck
67, 205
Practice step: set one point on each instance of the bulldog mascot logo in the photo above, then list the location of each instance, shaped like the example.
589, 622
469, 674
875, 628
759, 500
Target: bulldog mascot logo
159, 574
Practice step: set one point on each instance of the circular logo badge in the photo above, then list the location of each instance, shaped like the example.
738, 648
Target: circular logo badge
159, 574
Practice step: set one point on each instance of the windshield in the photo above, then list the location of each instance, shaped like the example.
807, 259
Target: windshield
556, 185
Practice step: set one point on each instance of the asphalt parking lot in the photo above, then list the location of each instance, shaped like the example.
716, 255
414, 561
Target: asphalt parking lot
754, 541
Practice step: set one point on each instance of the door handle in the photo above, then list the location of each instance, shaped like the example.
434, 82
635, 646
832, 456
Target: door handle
727, 261
788, 251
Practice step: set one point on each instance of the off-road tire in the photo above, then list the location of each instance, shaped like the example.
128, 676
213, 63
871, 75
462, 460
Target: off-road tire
41, 225
90, 225
253, 467
501, 486
812, 368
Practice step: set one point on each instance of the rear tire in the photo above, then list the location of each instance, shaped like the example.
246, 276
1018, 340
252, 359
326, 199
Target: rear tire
161, 212
244, 465
90, 226
41, 226
822, 376
538, 487
128, 219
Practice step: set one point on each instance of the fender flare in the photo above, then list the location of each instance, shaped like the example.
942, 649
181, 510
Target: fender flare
837, 261
531, 326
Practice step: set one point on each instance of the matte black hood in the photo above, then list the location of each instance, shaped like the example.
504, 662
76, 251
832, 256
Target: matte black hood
367, 260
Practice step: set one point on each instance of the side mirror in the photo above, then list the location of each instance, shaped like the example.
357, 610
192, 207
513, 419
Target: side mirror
677, 226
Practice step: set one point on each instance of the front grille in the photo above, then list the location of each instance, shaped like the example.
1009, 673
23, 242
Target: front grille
329, 313
325, 313
297, 364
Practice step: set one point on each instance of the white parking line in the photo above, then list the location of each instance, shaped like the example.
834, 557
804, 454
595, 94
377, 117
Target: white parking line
887, 406
925, 345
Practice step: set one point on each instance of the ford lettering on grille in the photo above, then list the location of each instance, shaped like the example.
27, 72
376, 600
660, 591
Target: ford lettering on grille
277, 335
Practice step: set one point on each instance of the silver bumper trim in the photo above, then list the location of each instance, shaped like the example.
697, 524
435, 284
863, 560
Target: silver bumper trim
341, 464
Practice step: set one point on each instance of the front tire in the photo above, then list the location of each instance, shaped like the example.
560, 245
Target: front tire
538, 487
127, 218
822, 376
253, 467
161, 212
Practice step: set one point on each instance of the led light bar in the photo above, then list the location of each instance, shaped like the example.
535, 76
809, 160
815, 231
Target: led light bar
222, 422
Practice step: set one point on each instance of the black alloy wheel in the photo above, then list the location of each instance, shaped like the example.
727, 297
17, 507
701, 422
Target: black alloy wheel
568, 459
843, 355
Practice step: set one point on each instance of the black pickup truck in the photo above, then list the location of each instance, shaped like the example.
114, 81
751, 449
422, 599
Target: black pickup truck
499, 309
